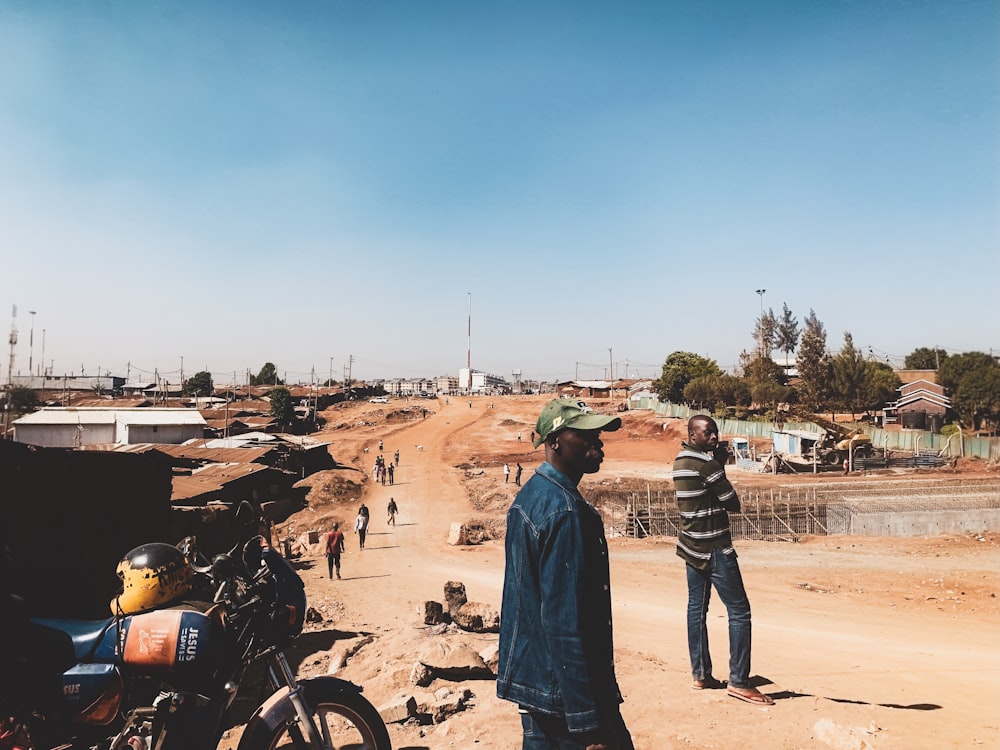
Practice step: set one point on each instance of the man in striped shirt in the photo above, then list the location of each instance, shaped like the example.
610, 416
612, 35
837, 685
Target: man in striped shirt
704, 498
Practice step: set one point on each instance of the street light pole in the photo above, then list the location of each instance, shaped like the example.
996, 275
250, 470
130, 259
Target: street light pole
760, 322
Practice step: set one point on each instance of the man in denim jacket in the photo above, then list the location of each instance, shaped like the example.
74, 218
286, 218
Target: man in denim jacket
556, 655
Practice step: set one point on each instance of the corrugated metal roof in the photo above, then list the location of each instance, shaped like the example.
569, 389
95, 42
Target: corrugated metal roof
96, 415
162, 417
211, 478
71, 415
246, 455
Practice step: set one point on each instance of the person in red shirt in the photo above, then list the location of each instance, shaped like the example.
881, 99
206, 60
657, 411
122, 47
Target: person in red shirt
334, 546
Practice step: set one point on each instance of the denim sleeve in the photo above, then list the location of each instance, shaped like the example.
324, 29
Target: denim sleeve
560, 567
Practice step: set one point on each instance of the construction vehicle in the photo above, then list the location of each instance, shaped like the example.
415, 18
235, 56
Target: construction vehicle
835, 447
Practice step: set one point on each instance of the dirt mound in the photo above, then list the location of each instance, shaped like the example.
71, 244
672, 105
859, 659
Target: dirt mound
331, 486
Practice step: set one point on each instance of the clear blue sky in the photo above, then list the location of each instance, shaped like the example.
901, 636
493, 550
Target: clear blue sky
238, 182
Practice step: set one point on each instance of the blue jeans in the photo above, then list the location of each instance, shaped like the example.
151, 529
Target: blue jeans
724, 574
548, 732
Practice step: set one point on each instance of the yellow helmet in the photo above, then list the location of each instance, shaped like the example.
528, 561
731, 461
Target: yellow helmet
152, 575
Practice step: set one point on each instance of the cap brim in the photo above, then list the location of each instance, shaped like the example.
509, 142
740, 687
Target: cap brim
595, 422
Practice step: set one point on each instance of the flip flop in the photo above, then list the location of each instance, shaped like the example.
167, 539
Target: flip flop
709, 683
756, 698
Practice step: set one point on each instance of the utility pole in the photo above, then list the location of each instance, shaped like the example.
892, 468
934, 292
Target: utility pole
12, 340
31, 345
329, 383
611, 375
43, 357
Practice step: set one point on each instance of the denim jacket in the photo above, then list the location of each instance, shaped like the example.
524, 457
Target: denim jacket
556, 652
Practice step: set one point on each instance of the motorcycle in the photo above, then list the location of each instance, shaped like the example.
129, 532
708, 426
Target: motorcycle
166, 677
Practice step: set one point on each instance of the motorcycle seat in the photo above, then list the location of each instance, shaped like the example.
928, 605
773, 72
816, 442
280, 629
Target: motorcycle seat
83, 636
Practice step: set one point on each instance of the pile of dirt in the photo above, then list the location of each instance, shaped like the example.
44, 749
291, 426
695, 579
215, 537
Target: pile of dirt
331, 486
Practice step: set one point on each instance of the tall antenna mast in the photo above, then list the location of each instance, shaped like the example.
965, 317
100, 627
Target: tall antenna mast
468, 351
13, 344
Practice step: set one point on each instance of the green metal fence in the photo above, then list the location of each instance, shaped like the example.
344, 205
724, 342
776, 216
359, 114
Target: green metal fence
918, 441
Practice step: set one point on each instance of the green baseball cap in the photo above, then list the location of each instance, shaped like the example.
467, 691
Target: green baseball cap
561, 413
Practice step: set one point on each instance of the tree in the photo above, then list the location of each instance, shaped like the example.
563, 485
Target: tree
268, 375
199, 384
813, 364
679, 369
764, 332
849, 372
758, 370
953, 369
21, 400
969, 379
786, 335
923, 358
770, 394
881, 385
714, 391
977, 398
281, 405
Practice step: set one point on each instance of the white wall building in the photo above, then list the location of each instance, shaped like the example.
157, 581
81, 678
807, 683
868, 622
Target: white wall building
482, 382
58, 427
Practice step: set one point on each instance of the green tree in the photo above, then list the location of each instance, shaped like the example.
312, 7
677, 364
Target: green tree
268, 375
881, 385
977, 398
717, 391
953, 369
924, 358
679, 369
701, 392
770, 394
199, 384
22, 400
849, 372
281, 405
764, 333
786, 335
758, 370
969, 379
813, 365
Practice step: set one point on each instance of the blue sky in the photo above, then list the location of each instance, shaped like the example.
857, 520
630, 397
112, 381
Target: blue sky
234, 183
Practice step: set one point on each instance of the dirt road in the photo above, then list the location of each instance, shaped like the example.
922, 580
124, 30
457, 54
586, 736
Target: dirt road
863, 642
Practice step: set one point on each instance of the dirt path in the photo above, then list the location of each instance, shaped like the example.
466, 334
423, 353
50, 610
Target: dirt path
863, 642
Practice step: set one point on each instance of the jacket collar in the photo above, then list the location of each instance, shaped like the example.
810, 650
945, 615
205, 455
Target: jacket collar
553, 474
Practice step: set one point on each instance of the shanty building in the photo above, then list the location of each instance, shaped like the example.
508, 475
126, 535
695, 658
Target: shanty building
73, 427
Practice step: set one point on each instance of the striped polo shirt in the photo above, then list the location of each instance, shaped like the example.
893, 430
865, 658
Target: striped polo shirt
704, 497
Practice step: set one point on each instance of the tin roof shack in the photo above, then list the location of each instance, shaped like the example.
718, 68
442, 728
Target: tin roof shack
796, 450
264, 487
73, 427
299, 454
69, 516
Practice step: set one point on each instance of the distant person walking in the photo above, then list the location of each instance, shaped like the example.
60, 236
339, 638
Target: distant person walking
517, 475
334, 546
392, 473
396, 456
392, 509
506, 473
361, 526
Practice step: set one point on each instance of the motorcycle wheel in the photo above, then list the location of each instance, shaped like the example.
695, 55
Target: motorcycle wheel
346, 720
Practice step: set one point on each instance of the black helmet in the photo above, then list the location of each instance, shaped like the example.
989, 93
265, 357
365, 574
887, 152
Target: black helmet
151, 574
